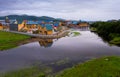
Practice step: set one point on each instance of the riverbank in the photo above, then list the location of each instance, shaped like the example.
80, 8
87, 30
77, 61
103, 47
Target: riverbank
101, 67
109, 31
111, 38
27, 72
10, 40
13, 39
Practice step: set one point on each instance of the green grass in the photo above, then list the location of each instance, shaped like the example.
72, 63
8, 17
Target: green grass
115, 41
102, 67
28, 72
93, 29
76, 33
10, 40
33, 71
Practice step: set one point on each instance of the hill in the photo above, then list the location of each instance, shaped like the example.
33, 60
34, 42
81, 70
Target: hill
26, 17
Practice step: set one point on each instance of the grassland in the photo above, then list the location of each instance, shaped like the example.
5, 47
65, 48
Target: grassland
102, 67
10, 40
28, 72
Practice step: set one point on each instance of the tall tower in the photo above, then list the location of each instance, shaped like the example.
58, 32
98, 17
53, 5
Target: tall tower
7, 20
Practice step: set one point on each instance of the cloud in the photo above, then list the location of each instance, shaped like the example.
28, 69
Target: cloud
68, 9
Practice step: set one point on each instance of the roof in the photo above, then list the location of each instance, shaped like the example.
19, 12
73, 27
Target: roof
4, 23
56, 24
74, 22
48, 26
42, 25
12, 21
39, 22
32, 22
19, 21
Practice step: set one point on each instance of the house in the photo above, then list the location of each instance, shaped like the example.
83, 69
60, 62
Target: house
31, 25
5, 24
74, 23
41, 28
48, 29
17, 25
57, 26
69, 24
84, 25
45, 29
1, 27
64, 23
25, 25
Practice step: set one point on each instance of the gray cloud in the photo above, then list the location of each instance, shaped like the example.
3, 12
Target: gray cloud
68, 9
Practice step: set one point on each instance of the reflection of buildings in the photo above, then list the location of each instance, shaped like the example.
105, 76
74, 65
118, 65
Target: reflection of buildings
46, 42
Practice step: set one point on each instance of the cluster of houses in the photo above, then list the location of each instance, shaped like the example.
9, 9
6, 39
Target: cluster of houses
41, 27
30, 26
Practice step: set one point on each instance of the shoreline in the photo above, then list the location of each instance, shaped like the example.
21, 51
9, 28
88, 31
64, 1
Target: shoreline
27, 39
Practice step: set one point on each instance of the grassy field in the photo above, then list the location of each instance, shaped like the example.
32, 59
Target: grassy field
102, 67
28, 72
10, 40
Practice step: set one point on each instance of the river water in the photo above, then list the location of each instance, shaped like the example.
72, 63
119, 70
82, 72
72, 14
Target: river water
77, 49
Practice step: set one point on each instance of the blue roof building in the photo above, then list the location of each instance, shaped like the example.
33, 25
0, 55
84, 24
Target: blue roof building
39, 22
48, 26
75, 22
32, 22
56, 24
42, 25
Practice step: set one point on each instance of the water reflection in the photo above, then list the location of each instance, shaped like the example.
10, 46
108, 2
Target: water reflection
77, 49
46, 42
82, 28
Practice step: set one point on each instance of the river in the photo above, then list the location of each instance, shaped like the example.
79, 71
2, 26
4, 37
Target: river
73, 50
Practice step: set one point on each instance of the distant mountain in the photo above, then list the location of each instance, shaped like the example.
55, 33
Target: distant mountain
26, 17
60, 19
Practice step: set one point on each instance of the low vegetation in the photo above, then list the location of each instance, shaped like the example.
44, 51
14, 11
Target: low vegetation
28, 72
102, 67
76, 33
93, 29
10, 40
110, 31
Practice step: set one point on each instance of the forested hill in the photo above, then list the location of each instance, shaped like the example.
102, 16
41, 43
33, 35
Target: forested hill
26, 17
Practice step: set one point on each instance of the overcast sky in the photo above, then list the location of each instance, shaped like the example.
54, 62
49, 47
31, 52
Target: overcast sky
67, 9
